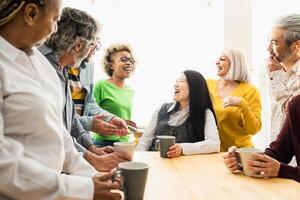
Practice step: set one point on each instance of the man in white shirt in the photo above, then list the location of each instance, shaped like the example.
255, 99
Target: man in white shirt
283, 63
34, 145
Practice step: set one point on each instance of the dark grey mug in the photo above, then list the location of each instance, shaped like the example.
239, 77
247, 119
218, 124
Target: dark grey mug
163, 144
134, 176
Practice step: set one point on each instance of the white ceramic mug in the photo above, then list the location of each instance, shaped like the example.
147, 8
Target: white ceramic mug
127, 147
244, 154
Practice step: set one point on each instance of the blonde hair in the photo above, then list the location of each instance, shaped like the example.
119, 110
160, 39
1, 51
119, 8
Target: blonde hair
110, 51
238, 70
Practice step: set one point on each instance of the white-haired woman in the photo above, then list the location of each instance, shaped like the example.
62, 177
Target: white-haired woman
236, 102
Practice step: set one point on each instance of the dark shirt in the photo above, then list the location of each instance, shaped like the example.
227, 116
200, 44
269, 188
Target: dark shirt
287, 143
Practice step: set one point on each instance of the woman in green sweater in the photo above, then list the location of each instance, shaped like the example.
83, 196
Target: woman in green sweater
113, 94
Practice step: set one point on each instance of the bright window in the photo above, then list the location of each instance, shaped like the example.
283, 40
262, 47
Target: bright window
168, 36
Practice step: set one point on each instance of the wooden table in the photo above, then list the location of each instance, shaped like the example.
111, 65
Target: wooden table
205, 177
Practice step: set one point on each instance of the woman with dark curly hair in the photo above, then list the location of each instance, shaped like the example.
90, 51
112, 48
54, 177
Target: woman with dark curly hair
113, 94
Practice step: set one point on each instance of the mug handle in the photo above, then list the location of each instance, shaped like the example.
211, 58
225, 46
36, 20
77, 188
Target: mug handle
157, 145
237, 155
117, 174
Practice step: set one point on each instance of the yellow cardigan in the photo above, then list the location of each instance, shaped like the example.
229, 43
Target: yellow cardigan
236, 124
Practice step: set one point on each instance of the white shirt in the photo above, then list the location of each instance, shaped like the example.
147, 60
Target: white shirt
34, 145
283, 85
210, 144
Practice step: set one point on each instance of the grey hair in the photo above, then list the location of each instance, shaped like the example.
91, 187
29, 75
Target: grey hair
73, 25
238, 70
291, 24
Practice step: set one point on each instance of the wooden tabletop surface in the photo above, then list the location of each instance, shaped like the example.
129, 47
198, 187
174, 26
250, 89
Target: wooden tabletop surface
202, 177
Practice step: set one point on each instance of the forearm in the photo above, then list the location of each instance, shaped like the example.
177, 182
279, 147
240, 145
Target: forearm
203, 147
95, 109
252, 116
81, 135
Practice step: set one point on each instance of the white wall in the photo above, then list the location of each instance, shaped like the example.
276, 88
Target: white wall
168, 36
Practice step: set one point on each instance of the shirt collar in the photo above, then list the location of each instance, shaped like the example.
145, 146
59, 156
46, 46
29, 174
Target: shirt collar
8, 49
173, 106
295, 66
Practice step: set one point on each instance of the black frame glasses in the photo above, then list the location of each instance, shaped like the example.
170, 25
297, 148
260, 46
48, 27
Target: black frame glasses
124, 59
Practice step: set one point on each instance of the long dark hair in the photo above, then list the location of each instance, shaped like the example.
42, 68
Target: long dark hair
200, 101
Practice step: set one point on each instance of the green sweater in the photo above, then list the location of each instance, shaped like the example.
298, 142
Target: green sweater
115, 100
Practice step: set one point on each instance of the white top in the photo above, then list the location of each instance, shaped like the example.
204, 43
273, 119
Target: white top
210, 144
283, 86
34, 145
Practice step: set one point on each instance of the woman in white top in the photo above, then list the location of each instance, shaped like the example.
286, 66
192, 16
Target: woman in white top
191, 119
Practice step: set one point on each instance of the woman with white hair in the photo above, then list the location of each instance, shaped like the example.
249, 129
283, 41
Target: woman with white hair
236, 102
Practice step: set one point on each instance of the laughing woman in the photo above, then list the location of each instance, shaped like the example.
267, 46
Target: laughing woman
236, 102
113, 94
190, 119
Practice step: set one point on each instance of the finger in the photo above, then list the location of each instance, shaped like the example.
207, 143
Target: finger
229, 160
259, 156
171, 154
234, 168
263, 175
254, 163
115, 196
174, 146
123, 156
105, 176
232, 149
229, 156
258, 170
231, 164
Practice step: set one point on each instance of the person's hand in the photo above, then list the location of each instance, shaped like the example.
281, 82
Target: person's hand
103, 185
174, 151
264, 166
100, 151
274, 64
231, 101
230, 160
100, 126
107, 149
131, 123
120, 124
106, 162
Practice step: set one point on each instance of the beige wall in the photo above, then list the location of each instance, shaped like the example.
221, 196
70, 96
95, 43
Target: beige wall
237, 26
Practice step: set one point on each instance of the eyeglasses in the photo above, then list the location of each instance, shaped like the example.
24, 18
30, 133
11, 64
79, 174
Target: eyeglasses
125, 59
96, 46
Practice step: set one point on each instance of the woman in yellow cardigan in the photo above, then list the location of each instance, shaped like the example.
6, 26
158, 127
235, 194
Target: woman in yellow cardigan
236, 102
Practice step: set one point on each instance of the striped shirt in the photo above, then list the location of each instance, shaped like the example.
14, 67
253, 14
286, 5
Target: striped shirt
78, 92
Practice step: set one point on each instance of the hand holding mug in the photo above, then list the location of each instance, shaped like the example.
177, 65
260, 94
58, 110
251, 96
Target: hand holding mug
174, 151
103, 186
264, 166
230, 159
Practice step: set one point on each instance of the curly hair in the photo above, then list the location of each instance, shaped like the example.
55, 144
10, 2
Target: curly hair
9, 8
74, 25
112, 50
